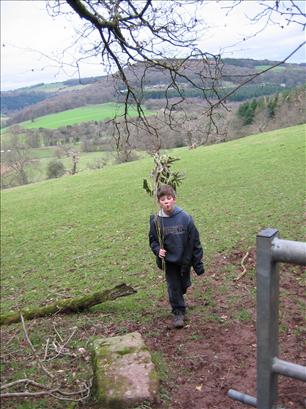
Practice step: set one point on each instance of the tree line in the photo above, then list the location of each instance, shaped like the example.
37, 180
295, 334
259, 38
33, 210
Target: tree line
246, 92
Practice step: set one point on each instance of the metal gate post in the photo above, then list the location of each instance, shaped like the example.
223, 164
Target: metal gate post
267, 294
270, 250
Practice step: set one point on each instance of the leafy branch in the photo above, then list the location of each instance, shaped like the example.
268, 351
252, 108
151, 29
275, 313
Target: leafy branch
162, 174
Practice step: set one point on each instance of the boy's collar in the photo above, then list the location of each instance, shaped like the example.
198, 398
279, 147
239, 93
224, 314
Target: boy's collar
162, 213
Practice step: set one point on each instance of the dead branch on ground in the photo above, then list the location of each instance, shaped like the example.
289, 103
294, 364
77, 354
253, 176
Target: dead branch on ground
244, 270
67, 306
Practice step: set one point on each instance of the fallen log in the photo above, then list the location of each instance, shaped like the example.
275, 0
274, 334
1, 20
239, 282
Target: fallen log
70, 305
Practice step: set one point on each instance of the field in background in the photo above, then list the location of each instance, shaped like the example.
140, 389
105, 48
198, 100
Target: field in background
260, 68
53, 87
37, 169
100, 112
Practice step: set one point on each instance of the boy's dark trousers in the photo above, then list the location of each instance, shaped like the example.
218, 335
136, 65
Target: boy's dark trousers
177, 286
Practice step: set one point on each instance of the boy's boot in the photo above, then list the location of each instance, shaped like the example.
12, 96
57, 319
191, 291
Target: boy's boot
178, 320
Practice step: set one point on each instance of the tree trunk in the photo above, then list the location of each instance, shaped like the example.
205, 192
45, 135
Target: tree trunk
24, 177
70, 305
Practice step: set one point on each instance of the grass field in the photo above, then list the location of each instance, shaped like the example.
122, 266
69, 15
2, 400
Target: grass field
232, 189
76, 235
52, 87
74, 116
42, 153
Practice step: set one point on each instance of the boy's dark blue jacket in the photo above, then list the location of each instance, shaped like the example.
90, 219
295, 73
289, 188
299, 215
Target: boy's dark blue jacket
180, 238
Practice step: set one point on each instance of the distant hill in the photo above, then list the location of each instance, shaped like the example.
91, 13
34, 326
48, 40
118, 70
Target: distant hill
43, 99
13, 101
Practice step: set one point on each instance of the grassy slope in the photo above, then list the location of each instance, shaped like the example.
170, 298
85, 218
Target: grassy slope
74, 116
82, 233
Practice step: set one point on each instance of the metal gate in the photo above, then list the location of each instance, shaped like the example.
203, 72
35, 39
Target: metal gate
270, 250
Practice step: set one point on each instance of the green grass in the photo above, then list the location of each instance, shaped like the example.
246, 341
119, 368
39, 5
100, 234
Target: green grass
260, 68
79, 234
42, 153
52, 87
74, 116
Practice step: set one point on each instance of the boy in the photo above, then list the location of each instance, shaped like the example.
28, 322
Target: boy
175, 241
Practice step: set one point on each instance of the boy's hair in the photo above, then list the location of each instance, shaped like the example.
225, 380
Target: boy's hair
165, 190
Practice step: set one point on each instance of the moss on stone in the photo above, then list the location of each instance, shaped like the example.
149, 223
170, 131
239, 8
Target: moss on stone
126, 351
117, 386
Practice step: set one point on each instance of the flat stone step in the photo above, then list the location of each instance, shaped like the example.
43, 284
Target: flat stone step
124, 374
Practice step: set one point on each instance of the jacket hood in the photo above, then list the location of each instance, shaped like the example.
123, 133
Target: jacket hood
176, 210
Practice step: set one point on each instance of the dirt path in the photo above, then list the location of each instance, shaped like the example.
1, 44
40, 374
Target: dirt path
209, 357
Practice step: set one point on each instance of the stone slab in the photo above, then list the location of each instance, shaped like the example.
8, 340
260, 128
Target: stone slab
124, 374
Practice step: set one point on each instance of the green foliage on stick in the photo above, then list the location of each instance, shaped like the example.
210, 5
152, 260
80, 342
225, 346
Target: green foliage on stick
162, 174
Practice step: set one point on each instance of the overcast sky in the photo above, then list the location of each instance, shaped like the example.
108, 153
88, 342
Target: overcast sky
32, 41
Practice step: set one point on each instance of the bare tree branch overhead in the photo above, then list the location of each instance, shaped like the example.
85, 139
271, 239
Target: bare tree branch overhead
133, 39
138, 37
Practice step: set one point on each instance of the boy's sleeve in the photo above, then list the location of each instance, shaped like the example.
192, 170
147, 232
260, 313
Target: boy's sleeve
197, 251
153, 239
194, 251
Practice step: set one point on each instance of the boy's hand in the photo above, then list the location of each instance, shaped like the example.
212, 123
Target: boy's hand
162, 253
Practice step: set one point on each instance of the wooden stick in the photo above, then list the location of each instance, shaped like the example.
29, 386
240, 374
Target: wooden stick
26, 381
34, 350
243, 267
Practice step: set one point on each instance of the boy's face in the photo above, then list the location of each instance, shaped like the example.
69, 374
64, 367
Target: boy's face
167, 203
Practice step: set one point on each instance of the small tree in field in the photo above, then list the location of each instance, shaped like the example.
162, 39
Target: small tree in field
16, 157
71, 153
55, 169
